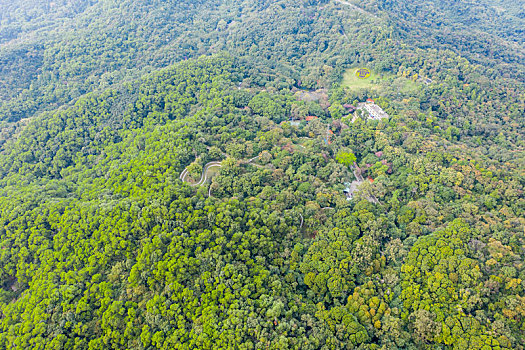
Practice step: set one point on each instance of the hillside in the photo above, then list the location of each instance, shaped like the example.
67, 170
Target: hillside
177, 174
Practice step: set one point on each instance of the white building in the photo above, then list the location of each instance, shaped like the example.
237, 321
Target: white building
374, 111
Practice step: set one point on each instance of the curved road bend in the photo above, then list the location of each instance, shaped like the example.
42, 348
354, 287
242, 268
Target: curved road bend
204, 175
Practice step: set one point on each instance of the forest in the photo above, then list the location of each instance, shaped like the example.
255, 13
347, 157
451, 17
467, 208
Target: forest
116, 233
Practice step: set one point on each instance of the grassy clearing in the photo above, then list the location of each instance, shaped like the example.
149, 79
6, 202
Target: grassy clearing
350, 80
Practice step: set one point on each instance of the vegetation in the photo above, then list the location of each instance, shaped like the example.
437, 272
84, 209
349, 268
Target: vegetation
352, 81
346, 158
103, 246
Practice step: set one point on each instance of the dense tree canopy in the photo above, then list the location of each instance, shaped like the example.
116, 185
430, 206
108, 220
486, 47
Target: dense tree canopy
116, 233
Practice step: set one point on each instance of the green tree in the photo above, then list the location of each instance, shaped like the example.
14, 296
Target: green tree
346, 158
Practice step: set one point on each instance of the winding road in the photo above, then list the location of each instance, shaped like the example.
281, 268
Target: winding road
204, 176
215, 164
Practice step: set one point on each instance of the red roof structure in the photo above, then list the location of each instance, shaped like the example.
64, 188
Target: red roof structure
327, 140
310, 118
369, 100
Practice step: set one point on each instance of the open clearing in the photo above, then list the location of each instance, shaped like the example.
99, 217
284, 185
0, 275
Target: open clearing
350, 80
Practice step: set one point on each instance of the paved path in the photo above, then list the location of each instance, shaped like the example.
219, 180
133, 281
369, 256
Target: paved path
251, 160
214, 164
204, 176
354, 186
207, 167
183, 174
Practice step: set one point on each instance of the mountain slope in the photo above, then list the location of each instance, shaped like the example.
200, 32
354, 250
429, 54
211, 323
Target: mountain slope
104, 245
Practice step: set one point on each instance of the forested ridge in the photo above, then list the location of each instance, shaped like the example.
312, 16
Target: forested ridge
110, 238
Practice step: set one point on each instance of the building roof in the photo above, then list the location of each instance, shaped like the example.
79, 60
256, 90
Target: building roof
310, 118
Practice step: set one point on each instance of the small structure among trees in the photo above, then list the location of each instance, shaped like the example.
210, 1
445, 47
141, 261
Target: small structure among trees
374, 111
